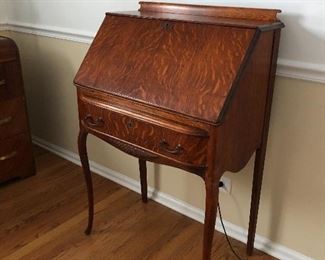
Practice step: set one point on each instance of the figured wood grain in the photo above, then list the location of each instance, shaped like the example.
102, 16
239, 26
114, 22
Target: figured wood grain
199, 60
185, 89
44, 215
138, 110
218, 21
214, 11
144, 134
106, 102
241, 133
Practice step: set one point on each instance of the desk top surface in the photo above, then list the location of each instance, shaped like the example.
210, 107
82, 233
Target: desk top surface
178, 62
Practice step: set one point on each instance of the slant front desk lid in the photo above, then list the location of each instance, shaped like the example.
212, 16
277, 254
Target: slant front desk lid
164, 57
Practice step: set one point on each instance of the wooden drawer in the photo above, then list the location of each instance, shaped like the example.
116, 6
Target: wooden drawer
16, 157
10, 80
13, 119
185, 145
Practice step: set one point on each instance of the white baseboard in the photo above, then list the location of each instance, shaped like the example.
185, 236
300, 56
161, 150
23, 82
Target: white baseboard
261, 243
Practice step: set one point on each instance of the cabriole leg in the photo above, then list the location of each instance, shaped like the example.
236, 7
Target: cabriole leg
82, 139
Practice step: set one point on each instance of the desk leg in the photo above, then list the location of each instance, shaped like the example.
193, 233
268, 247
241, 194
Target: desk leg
261, 152
255, 198
82, 146
211, 202
143, 180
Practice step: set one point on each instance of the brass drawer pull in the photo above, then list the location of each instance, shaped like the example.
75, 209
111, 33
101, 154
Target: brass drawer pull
166, 147
2, 82
5, 120
8, 156
90, 121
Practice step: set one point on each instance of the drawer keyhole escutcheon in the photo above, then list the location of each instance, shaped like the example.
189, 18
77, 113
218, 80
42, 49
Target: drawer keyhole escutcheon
90, 121
164, 145
130, 123
167, 26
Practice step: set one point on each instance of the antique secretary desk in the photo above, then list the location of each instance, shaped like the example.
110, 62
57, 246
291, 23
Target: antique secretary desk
183, 85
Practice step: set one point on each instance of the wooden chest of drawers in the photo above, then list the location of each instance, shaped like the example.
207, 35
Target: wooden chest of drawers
16, 156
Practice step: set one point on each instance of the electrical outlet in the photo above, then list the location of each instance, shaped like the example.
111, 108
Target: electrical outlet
226, 188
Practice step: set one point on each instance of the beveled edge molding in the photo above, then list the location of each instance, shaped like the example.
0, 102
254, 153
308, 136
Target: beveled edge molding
286, 68
261, 243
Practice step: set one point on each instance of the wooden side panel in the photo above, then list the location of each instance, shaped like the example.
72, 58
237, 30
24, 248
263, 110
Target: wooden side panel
241, 131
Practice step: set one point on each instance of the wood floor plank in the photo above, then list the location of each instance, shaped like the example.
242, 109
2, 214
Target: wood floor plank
44, 217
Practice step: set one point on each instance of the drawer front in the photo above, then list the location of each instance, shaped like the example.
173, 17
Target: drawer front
10, 80
13, 118
16, 158
182, 147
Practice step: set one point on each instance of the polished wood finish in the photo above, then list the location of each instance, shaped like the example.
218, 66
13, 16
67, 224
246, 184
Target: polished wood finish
82, 139
261, 151
167, 60
143, 180
15, 143
13, 118
41, 218
213, 11
98, 117
186, 86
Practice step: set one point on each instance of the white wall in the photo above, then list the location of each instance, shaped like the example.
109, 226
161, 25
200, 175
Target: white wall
3, 12
302, 50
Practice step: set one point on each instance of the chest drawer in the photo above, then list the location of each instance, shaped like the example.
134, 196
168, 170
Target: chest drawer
13, 118
185, 145
10, 80
16, 158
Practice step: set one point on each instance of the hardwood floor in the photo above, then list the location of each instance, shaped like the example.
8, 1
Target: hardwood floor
44, 216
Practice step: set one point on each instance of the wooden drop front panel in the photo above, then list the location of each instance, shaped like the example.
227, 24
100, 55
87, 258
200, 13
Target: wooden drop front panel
182, 85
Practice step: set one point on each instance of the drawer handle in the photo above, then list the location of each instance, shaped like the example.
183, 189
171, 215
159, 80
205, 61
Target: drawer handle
8, 156
5, 120
166, 147
90, 121
2, 82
